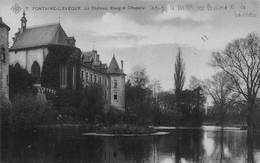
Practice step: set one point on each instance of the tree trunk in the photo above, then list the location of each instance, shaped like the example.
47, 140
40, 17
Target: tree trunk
250, 108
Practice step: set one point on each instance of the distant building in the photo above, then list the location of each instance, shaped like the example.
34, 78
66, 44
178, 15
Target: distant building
31, 48
4, 60
111, 78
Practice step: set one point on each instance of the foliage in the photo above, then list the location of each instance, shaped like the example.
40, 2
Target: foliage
220, 89
167, 100
5, 108
195, 83
126, 129
27, 112
138, 77
66, 98
240, 60
113, 115
82, 105
168, 117
20, 81
192, 107
165, 111
139, 96
179, 78
92, 104
50, 76
139, 102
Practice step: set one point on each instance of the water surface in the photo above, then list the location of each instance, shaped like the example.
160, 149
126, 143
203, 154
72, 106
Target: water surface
206, 144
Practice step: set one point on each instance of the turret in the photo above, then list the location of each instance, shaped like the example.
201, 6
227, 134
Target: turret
23, 22
117, 84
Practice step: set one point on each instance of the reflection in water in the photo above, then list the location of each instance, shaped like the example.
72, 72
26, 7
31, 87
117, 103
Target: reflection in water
182, 145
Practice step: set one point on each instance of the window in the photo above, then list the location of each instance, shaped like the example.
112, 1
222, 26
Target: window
3, 56
17, 66
115, 83
36, 72
87, 76
63, 75
115, 96
95, 78
105, 82
74, 76
82, 75
91, 77
7, 79
100, 80
105, 94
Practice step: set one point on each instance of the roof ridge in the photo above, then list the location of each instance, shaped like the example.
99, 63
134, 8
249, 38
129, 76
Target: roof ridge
43, 25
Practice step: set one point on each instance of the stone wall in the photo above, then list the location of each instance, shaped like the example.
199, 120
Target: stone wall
26, 57
4, 66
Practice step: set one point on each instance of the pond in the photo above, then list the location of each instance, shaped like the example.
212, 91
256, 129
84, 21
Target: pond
208, 144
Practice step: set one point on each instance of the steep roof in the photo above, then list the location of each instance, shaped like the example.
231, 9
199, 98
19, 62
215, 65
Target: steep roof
87, 56
40, 36
3, 24
113, 67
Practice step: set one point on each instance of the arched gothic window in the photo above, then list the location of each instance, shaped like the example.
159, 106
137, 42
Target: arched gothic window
17, 66
36, 72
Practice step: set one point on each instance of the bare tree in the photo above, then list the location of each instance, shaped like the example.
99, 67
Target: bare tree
138, 77
241, 61
220, 89
195, 83
179, 77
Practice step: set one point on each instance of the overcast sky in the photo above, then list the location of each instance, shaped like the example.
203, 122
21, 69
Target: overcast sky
146, 37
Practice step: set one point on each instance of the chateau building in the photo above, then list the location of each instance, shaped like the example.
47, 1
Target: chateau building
55, 62
111, 78
4, 60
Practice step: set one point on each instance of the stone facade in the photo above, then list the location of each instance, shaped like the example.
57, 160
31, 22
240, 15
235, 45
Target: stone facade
4, 60
33, 45
117, 92
117, 84
111, 79
25, 58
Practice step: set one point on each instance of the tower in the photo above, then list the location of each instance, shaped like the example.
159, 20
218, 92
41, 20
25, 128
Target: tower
117, 84
4, 60
23, 22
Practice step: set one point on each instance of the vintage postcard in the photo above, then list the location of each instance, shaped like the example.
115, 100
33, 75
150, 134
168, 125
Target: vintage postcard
113, 81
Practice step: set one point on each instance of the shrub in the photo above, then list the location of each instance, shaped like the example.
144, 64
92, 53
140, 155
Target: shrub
21, 81
113, 115
27, 112
126, 129
5, 111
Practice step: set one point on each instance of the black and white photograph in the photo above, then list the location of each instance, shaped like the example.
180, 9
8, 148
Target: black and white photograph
138, 81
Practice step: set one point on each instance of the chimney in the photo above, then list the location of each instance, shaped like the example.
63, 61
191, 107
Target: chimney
97, 57
122, 65
71, 41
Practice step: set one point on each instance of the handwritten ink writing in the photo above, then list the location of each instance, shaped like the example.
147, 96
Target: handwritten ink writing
231, 7
216, 7
245, 14
200, 8
159, 9
243, 7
